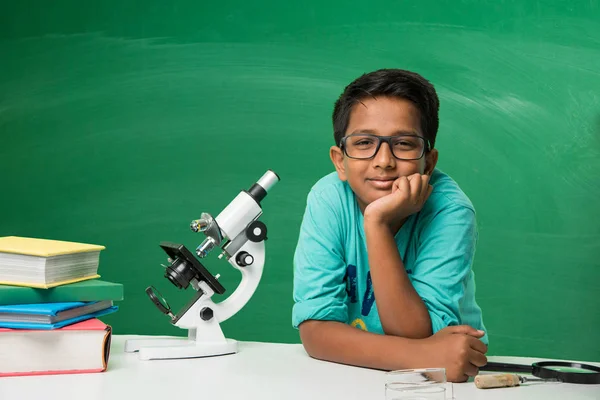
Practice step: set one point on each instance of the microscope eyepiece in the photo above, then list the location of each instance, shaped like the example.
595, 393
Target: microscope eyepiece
259, 190
268, 180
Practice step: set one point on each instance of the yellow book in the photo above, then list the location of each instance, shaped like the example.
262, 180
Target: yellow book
43, 247
45, 263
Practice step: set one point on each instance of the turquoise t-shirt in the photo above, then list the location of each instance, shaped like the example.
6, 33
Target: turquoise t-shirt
437, 245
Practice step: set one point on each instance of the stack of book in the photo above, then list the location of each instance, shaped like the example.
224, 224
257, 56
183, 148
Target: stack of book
50, 302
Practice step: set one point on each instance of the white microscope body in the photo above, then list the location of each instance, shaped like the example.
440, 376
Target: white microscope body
241, 236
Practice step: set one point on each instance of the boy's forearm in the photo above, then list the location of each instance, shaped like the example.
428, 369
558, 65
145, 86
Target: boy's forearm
401, 309
344, 344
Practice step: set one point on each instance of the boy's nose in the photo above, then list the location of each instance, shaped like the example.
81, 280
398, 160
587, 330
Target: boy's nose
384, 157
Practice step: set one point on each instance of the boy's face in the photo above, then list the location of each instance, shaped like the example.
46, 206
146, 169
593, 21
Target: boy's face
372, 179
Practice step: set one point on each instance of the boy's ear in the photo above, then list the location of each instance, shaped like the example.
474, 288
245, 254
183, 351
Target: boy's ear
431, 160
337, 158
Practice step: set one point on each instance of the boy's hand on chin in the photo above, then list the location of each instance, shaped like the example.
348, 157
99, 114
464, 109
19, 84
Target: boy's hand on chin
409, 193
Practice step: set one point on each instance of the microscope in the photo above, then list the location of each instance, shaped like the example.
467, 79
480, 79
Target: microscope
240, 235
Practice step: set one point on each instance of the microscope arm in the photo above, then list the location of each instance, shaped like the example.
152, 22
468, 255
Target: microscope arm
251, 276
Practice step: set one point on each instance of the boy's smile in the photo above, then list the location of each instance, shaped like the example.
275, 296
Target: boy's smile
373, 178
382, 183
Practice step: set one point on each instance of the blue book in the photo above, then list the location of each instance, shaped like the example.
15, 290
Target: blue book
52, 315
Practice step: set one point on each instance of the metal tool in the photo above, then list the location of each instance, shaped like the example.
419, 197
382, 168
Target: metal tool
505, 380
562, 371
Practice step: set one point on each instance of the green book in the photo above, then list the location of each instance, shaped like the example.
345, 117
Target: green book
90, 290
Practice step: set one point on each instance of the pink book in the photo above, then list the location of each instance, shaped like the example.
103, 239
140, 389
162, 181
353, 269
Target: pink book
83, 347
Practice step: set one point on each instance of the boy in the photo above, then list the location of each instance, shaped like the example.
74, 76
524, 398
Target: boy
382, 269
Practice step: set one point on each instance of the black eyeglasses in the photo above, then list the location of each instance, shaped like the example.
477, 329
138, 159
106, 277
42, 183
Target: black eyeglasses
363, 146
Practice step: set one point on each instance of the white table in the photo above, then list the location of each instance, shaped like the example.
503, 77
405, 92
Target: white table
258, 371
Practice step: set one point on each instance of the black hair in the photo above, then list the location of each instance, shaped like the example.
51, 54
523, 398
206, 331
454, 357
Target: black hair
391, 83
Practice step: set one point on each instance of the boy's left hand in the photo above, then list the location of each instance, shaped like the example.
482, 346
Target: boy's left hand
409, 193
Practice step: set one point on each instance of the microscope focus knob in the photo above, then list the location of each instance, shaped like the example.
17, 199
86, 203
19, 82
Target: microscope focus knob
256, 231
243, 259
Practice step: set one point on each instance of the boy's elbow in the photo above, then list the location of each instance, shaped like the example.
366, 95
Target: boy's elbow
309, 335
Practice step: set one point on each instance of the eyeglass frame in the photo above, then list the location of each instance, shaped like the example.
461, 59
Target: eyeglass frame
388, 140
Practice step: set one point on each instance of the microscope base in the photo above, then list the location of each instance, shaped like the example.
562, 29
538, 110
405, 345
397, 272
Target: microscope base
162, 349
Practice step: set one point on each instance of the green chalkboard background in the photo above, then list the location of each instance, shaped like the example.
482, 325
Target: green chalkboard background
121, 121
